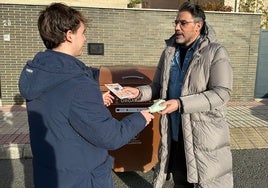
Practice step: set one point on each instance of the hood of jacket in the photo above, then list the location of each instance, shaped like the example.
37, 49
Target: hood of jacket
47, 70
208, 35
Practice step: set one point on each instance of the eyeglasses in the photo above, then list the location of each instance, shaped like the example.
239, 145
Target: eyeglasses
182, 23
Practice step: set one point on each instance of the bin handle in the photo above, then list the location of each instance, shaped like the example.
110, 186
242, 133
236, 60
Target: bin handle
132, 76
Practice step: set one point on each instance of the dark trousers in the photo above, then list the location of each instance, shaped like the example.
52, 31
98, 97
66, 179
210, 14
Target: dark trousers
177, 164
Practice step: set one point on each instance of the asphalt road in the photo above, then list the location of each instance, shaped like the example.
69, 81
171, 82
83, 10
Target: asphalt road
250, 171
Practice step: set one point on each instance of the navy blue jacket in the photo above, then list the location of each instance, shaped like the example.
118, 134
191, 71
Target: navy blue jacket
70, 128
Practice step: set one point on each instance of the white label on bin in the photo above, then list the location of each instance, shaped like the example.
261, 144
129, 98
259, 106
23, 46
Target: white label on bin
129, 110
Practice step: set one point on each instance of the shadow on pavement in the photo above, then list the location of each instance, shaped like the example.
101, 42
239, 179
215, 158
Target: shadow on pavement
133, 179
261, 111
27, 169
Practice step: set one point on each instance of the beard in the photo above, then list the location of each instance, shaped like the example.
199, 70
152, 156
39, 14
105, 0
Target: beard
180, 42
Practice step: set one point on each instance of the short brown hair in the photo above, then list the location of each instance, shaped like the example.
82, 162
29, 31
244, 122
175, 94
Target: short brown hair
55, 20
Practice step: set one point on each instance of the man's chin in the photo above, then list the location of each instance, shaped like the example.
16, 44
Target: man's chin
180, 42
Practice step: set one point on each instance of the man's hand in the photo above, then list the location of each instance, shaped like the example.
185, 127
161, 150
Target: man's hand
171, 106
148, 116
134, 91
107, 98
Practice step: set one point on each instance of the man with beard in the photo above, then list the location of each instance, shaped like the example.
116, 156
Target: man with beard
194, 76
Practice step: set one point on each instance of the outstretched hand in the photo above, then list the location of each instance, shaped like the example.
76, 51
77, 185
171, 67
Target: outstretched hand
171, 106
134, 91
148, 116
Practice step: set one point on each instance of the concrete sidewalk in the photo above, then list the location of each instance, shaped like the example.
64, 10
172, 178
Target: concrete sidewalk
248, 123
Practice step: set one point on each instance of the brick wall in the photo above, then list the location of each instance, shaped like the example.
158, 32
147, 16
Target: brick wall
130, 36
81, 3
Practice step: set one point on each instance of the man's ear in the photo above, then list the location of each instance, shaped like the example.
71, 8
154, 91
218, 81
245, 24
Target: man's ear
199, 26
69, 36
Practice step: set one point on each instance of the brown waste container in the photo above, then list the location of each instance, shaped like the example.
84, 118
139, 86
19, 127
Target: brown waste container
140, 154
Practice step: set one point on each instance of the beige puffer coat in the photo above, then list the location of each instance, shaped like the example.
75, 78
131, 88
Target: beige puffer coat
205, 93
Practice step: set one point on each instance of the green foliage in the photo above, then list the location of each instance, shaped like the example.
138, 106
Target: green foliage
265, 19
250, 6
255, 6
215, 6
133, 3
